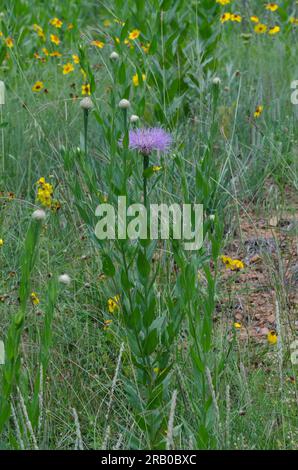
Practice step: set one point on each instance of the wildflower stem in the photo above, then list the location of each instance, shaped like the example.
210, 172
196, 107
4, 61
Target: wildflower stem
86, 112
145, 167
125, 146
11, 368
2, 141
131, 310
125, 120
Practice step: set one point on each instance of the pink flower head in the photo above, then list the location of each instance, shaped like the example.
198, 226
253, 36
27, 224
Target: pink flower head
147, 140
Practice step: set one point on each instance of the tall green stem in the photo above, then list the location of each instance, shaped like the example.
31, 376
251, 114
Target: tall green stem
145, 196
2, 141
145, 167
11, 369
86, 112
125, 128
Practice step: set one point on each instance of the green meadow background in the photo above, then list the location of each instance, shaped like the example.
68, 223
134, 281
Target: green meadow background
167, 368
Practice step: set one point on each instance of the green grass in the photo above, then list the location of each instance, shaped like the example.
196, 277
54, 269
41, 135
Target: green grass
221, 157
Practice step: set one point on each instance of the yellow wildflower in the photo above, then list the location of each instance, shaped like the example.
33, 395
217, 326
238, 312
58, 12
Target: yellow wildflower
75, 58
223, 2
237, 265
54, 39
135, 79
41, 181
271, 6
258, 111
254, 19
232, 264
34, 298
56, 22
106, 324
45, 51
44, 197
274, 30
70, 26
235, 17
44, 192
9, 42
272, 337
113, 303
55, 54
38, 86
1, 242
134, 34
42, 35
98, 44
293, 20
55, 205
225, 17
38, 29
86, 89
260, 28
156, 168
237, 325
67, 68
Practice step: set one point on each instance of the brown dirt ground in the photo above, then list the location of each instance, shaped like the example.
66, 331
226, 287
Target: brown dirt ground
269, 248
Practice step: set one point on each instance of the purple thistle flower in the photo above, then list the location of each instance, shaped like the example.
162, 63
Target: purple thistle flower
147, 140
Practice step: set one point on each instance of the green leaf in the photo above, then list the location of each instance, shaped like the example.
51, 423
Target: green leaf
202, 437
143, 265
166, 4
122, 74
149, 314
151, 342
124, 31
2, 54
126, 284
107, 266
149, 172
197, 362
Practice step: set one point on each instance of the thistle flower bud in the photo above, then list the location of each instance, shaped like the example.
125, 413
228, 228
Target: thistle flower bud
134, 118
86, 103
64, 279
216, 81
114, 56
124, 104
2, 92
39, 214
